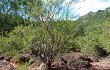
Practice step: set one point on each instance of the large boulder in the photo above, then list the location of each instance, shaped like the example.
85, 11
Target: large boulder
72, 61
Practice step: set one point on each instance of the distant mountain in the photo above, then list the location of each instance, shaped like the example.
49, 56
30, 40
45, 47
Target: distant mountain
99, 16
93, 18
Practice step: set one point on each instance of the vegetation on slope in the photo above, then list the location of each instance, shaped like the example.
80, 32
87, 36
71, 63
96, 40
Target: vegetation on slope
93, 31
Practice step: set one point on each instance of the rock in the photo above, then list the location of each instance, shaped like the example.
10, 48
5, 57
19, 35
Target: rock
89, 59
37, 66
24, 57
7, 58
13, 65
5, 65
1, 57
72, 61
79, 64
55, 64
69, 57
10, 67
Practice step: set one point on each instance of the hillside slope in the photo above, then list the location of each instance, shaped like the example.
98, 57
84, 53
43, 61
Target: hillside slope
93, 32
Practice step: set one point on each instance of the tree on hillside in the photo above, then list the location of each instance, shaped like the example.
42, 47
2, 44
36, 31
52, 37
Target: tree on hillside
50, 35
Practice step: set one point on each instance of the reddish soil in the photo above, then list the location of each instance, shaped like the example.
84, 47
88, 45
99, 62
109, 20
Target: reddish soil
67, 61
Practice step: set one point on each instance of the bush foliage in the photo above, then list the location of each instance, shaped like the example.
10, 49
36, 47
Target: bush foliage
57, 36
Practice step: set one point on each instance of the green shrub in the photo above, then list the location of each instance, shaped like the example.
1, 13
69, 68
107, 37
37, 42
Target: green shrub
56, 36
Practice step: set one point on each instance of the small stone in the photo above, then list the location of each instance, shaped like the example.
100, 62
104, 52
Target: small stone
7, 58
24, 59
1, 57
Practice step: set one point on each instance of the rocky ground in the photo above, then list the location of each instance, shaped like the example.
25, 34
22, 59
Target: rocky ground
67, 61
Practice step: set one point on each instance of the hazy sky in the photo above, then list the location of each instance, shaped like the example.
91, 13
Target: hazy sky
82, 7
89, 5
